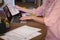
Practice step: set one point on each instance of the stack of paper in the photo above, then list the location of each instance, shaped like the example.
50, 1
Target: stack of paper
22, 33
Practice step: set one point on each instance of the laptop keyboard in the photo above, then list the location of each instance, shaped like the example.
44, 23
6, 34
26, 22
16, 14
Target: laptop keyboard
15, 19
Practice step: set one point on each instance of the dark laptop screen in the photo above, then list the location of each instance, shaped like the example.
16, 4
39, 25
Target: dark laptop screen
7, 13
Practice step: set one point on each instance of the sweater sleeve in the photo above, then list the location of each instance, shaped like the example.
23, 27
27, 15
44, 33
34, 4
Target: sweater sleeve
40, 10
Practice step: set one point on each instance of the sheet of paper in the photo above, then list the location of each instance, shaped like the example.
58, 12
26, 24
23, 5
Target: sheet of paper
23, 32
12, 37
26, 28
34, 35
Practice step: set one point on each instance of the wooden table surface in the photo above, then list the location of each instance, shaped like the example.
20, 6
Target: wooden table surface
33, 24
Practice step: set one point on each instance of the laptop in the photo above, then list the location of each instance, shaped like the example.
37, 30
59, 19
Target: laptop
12, 13
14, 18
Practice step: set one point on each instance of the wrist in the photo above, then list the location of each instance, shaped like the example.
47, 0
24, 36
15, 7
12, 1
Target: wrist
33, 17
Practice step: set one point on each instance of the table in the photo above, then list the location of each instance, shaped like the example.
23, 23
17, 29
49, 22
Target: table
33, 24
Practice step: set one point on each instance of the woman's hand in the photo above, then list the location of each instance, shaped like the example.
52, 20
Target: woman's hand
26, 17
37, 19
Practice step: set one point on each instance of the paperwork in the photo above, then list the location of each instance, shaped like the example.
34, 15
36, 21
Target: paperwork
22, 33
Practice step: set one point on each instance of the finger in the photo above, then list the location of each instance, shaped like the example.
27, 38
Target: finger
22, 18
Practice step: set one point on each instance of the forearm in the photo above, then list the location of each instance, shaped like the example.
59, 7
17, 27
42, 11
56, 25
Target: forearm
35, 18
25, 9
38, 19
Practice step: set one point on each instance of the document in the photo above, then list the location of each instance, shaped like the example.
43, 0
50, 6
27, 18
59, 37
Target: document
23, 33
12, 37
